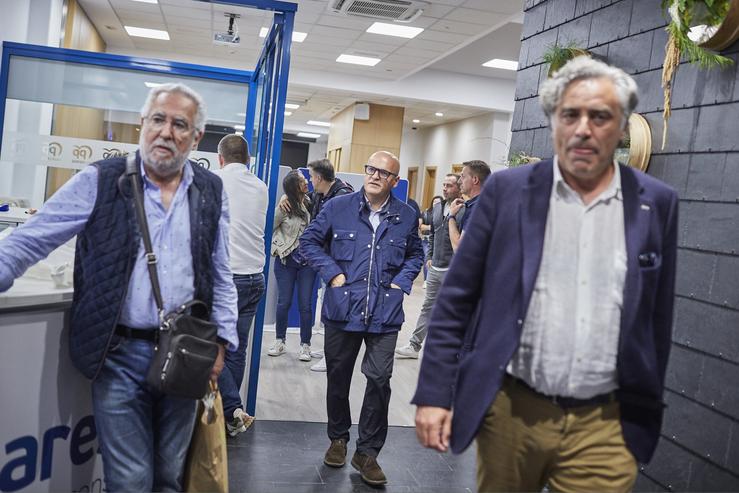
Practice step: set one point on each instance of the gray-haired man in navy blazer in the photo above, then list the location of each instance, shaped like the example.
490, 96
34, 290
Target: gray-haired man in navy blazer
550, 337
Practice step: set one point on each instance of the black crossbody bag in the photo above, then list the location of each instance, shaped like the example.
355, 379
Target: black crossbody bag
186, 348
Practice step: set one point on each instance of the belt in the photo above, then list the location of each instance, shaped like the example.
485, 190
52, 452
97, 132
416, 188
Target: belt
565, 402
150, 335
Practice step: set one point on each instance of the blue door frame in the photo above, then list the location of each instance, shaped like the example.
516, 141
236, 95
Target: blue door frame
272, 70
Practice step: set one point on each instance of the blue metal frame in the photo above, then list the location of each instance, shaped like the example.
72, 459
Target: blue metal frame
275, 57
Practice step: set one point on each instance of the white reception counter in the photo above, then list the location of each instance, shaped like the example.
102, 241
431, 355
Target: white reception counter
47, 433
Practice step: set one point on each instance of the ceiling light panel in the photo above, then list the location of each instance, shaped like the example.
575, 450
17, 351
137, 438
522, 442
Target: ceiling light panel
309, 135
318, 123
142, 32
502, 64
396, 30
298, 37
146, 1
358, 60
292, 106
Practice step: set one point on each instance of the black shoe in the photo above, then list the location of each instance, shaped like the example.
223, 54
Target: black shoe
369, 469
336, 453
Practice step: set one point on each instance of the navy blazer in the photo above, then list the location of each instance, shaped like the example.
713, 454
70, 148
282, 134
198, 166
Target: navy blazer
476, 324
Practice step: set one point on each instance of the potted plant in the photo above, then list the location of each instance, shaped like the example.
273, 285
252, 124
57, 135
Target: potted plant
520, 158
556, 56
684, 16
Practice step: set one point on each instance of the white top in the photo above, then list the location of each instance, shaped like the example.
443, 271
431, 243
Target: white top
570, 336
248, 199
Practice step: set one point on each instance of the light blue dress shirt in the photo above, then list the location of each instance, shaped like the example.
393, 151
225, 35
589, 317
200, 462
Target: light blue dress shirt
66, 213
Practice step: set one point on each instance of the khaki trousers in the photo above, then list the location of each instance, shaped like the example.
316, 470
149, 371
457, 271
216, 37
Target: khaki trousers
527, 442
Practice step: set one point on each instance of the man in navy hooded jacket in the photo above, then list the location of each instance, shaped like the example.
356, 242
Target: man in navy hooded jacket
550, 339
372, 256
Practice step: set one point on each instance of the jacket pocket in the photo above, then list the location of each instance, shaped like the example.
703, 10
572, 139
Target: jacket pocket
336, 303
392, 307
342, 244
395, 251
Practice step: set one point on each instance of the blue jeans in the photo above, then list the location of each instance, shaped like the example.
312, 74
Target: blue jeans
288, 275
250, 289
144, 435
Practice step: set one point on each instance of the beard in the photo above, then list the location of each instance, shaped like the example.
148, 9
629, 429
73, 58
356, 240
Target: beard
163, 168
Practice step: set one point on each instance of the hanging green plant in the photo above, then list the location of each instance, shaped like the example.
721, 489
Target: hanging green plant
556, 56
685, 14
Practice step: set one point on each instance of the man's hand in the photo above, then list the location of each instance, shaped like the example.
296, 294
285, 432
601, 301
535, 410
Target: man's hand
338, 281
394, 286
428, 264
455, 206
284, 205
433, 427
218, 365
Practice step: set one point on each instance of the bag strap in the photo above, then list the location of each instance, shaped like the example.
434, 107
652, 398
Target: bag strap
132, 171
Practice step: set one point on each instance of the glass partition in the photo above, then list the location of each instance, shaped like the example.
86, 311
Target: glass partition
62, 115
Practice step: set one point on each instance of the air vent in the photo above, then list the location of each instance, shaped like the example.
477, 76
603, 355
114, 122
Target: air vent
394, 10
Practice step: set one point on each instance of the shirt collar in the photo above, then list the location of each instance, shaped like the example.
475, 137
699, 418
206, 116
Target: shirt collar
231, 166
564, 191
383, 208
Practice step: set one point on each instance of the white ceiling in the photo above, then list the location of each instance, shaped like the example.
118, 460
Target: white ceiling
457, 35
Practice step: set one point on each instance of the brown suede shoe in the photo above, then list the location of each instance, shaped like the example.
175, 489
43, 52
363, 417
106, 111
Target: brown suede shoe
336, 453
369, 469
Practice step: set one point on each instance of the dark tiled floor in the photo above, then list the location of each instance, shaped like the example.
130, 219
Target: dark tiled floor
287, 456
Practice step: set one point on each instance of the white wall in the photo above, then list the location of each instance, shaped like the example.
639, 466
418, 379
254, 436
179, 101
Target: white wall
484, 137
317, 149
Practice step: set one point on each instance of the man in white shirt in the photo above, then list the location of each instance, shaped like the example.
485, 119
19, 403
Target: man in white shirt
549, 341
248, 200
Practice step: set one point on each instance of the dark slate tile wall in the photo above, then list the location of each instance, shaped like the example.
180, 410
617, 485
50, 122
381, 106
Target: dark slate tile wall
699, 448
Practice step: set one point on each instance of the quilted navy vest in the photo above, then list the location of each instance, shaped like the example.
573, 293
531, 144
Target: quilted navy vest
106, 252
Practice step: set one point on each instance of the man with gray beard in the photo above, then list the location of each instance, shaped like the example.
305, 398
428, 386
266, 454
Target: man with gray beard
143, 434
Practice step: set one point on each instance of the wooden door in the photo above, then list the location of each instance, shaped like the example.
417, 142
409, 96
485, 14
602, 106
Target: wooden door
412, 182
429, 185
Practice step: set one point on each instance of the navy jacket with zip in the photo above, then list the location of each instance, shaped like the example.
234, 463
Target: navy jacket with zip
370, 260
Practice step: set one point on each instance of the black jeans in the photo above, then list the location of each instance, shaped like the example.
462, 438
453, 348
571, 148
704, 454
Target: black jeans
341, 349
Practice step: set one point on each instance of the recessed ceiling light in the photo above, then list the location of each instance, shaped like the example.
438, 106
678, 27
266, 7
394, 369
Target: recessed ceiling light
439, 114
319, 124
154, 84
358, 60
500, 63
394, 30
298, 37
309, 135
240, 127
146, 1
238, 132
416, 120
142, 32
292, 106
240, 114
288, 113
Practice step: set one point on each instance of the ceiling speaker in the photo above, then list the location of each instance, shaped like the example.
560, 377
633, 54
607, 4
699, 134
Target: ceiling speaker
361, 111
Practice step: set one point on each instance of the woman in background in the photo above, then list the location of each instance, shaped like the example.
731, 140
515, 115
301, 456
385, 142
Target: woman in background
290, 269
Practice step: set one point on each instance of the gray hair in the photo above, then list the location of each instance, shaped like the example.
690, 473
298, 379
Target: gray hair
584, 67
180, 89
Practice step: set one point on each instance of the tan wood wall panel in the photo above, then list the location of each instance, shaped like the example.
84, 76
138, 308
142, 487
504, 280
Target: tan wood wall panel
69, 121
356, 140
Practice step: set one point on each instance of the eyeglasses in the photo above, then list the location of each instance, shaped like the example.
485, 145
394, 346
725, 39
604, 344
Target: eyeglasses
158, 122
370, 170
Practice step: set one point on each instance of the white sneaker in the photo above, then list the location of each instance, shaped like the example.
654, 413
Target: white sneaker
320, 366
278, 347
317, 354
304, 353
240, 423
407, 351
